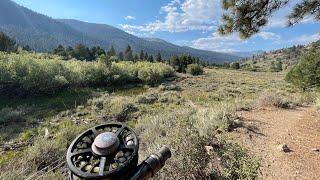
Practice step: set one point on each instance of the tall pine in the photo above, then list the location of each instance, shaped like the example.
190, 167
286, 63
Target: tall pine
159, 58
141, 55
111, 51
128, 53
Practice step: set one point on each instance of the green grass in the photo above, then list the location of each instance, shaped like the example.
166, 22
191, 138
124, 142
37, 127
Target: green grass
37, 109
186, 114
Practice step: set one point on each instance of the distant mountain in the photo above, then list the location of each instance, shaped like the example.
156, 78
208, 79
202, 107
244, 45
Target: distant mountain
43, 33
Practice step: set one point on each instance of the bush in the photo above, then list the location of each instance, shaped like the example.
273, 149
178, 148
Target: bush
10, 115
119, 108
146, 72
28, 73
318, 104
194, 69
237, 163
276, 66
220, 117
235, 65
165, 97
274, 99
306, 74
171, 87
175, 130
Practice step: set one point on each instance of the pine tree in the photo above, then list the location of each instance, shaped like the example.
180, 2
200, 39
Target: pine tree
6, 43
146, 56
136, 58
120, 56
141, 55
247, 17
111, 51
26, 48
96, 51
159, 58
175, 62
128, 53
70, 52
81, 52
150, 59
60, 51
198, 60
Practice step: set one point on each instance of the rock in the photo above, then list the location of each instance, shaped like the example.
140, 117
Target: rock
284, 148
46, 133
209, 149
6, 148
315, 149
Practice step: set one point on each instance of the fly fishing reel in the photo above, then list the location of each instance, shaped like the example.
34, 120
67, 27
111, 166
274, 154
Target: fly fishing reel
110, 151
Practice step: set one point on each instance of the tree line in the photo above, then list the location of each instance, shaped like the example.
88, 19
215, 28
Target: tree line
179, 63
81, 52
8, 44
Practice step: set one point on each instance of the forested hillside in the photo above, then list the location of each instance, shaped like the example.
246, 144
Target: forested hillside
43, 33
268, 61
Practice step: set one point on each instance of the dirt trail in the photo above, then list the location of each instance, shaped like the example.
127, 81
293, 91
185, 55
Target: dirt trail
263, 132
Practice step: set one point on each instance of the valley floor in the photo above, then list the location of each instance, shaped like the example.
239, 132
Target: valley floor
222, 124
266, 130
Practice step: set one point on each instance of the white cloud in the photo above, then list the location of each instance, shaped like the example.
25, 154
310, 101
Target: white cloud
129, 18
306, 38
216, 42
183, 16
268, 35
281, 22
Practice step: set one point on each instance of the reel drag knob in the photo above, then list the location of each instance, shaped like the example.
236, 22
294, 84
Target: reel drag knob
105, 144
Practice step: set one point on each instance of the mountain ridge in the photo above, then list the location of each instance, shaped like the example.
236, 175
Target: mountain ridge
44, 33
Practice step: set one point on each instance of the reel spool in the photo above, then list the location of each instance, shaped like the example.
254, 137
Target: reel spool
108, 151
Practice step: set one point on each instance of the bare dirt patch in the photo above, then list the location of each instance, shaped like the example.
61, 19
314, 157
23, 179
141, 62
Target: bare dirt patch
265, 130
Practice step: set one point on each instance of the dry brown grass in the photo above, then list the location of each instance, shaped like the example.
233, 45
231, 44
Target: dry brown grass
164, 116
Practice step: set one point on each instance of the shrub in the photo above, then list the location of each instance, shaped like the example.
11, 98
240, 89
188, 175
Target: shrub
10, 115
164, 97
220, 118
194, 69
146, 72
318, 104
276, 66
306, 73
119, 108
237, 163
274, 99
28, 73
171, 87
147, 99
175, 130
235, 65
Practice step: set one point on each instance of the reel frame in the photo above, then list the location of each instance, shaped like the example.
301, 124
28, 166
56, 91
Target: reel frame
81, 149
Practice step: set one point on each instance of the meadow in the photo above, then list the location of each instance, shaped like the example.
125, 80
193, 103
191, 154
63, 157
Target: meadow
187, 113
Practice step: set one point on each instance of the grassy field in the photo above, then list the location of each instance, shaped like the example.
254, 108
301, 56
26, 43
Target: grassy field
187, 113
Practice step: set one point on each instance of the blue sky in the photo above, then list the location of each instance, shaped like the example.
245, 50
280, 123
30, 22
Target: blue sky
184, 22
